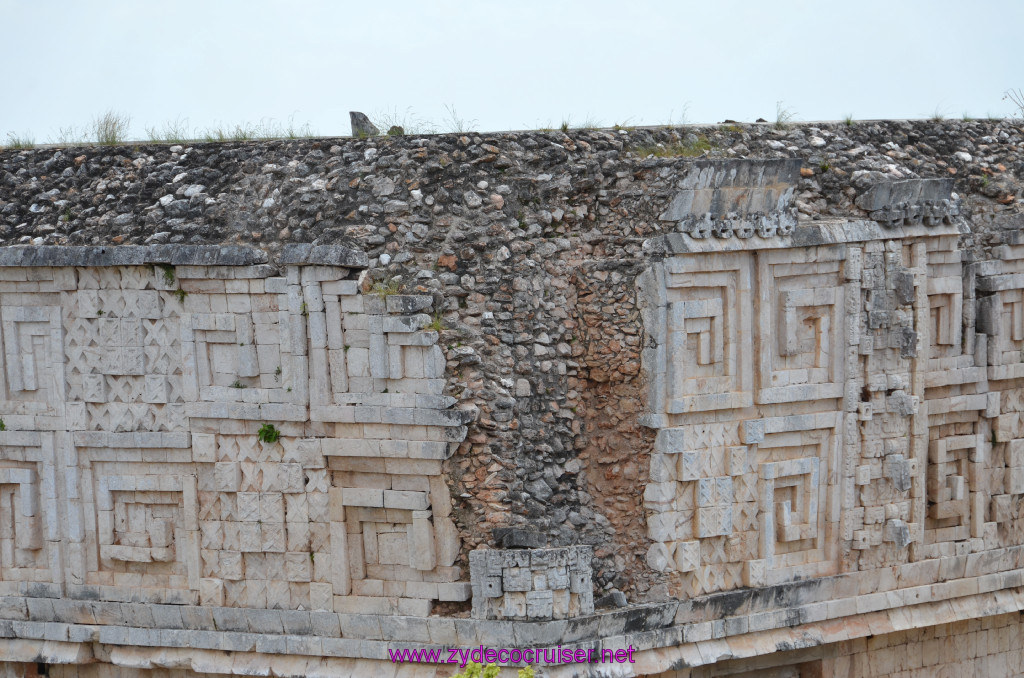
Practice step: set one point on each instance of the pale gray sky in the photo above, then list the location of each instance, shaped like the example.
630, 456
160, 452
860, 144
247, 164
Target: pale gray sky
511, 64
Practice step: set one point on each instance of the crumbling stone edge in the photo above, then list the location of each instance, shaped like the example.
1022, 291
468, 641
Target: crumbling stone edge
181, 255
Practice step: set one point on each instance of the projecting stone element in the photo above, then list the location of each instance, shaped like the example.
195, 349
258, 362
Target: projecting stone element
361, 125
323, 255
514, 538
736, 198
533, 584
911, 202
898, 533
133, 255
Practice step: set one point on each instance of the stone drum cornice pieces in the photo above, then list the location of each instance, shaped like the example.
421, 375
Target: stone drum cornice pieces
740, 198
911, 202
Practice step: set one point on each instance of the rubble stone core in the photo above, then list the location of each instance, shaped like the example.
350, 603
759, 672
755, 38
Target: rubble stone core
363, 395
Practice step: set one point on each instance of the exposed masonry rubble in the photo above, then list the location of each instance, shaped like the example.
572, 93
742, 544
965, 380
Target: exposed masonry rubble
772, 387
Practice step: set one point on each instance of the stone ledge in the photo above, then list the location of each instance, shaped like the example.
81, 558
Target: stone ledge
806, 234
179, 255
657, 650
649, 626
132, 255
323, 255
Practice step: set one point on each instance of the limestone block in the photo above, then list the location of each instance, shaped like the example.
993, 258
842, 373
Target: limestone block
897, 470
446, 541
422, 555
658, 557
517, 579
670, 441
687, 556
662, 526
211, 592
539, 604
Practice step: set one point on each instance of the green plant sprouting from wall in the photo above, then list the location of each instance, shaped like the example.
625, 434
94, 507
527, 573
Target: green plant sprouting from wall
783, 116
110, 128
682, 149
268, 433
474, 670
386, 289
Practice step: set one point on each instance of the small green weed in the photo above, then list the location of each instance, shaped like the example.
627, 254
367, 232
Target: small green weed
19, 142
690, 149
110, 128
168, 273
386, 289
268, 433
237, 384
783, 116
455, 123
436, 323
173, 132
474, 670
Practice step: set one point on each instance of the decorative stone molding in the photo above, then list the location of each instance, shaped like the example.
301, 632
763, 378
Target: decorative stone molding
134, 386
741, 198
532, 584
842, 422
911, 202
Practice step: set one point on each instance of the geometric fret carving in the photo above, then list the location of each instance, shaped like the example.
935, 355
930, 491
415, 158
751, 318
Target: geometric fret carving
708, 367
805, 316
953, 462
142, 521
1006, 341
32, 354
160, 481
28, 528
21, 533
795, 505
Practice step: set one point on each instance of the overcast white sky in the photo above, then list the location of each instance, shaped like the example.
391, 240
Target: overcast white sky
512, 64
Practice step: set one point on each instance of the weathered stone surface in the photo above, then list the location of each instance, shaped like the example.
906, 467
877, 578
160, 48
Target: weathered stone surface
361, 125
736, 197
535, 584
513, 538
514, 261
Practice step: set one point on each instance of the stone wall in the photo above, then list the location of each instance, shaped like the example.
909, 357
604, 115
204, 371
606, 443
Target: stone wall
774, 388
214, 434
521, 238
980, 647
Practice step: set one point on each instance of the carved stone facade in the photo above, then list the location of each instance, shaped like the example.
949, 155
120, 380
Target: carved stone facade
830, 408
769, 415
133, 467
532, 584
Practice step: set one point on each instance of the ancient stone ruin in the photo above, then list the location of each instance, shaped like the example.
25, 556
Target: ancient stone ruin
288, 408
